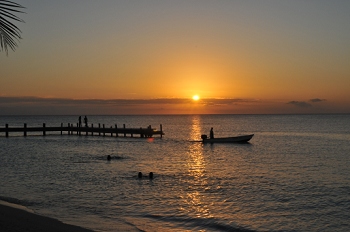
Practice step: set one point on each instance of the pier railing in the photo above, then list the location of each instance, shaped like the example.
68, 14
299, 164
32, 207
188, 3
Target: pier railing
70, 129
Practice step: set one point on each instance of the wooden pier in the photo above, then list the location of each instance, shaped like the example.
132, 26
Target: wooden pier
70, 129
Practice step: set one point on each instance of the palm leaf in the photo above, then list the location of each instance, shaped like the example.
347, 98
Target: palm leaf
9, 32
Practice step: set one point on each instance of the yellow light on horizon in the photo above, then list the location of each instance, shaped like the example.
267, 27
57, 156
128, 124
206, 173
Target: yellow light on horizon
195, 97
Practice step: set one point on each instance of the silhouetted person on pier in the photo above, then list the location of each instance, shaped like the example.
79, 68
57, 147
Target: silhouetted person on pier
86, 121
79, 121
109, 157
211, 133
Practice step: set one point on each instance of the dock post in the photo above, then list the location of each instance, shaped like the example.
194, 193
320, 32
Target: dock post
92, 129
141, 134
99, 129
116, 130
7, 130
44, 130
161, 130
87, 127
124, 130
104, 130
61, 128
77, 128
68, 128
25, 129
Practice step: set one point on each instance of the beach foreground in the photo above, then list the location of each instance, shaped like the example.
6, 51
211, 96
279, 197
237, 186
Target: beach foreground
18, 220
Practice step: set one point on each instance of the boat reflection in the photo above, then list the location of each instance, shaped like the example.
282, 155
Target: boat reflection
197, 180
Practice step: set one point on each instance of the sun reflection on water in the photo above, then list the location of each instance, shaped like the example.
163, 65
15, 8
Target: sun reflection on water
197, 180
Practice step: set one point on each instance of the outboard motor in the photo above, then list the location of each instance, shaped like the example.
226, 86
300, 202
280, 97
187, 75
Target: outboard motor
204, 137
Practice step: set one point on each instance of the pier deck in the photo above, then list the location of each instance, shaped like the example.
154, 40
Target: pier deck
91, 130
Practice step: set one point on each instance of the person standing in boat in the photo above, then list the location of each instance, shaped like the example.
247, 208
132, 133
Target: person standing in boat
211, 133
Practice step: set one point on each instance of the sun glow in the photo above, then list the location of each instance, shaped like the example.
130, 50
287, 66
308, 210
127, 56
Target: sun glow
195, 97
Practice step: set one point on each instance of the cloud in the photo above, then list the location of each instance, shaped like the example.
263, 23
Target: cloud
155, 101
300, 104
315, 100
37, 105
304, 104
32, 105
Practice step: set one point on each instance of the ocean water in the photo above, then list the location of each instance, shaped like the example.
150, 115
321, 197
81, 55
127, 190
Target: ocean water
294, 174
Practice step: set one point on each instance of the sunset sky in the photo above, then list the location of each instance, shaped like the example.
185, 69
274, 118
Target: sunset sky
151, 57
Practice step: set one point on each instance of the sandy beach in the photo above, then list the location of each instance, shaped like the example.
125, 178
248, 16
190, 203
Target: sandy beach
18, 220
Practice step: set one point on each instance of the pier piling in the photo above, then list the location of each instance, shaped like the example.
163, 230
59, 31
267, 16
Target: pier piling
25, 130
7, 130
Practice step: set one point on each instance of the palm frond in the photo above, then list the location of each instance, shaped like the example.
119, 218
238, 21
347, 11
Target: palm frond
10, 34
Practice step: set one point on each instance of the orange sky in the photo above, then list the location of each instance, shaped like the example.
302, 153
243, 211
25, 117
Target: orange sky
239, 56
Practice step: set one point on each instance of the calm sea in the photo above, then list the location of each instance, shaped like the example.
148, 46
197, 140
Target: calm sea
294, 174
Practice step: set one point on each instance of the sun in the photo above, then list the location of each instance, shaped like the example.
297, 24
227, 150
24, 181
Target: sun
195, 97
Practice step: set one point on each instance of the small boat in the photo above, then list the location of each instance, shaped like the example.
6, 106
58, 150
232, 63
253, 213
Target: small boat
236, 139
